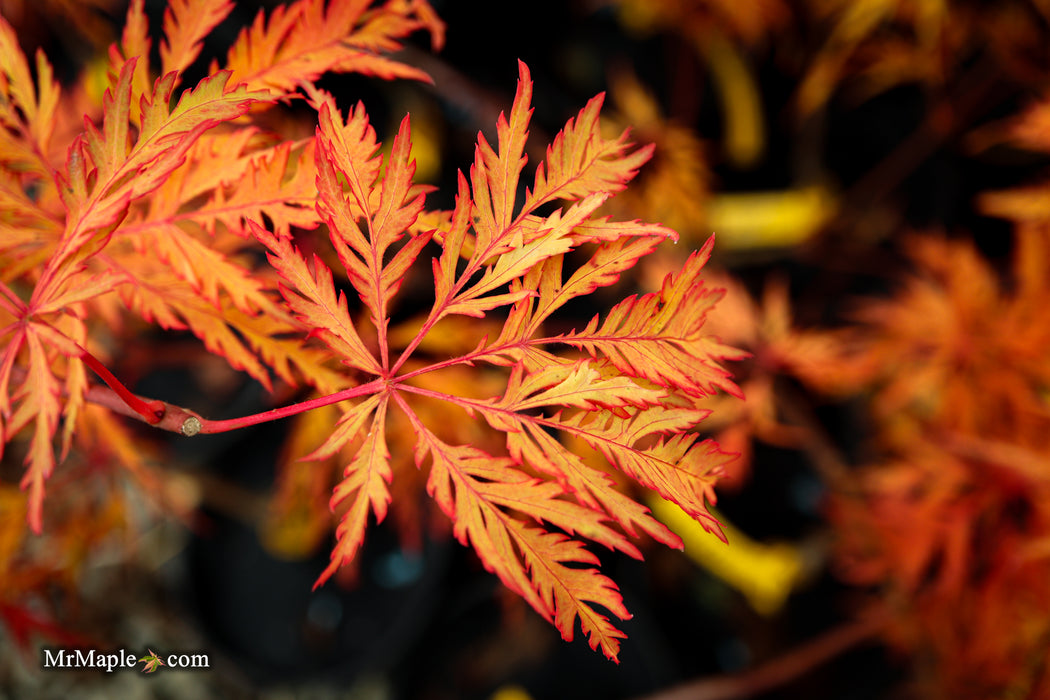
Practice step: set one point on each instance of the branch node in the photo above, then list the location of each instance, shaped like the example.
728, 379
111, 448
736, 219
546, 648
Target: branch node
191, 426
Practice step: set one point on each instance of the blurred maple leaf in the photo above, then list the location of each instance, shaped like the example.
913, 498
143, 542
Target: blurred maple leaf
777, 349
954, 351
673, 189
870, 46
953, 521
748, 22
723, 33
39, 20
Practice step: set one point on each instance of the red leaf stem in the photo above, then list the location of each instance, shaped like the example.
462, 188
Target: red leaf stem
151, 411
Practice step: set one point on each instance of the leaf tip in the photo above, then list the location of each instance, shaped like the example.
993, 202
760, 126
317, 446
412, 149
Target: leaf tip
332, 567
35, 507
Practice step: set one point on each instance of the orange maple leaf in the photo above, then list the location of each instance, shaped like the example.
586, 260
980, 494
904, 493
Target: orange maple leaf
628, 396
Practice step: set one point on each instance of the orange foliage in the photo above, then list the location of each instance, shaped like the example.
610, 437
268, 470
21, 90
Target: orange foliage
156, 216
954, 521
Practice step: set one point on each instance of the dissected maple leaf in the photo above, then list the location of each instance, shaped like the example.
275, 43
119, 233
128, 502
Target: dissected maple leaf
186, 24
105, 172
525, 502
302, 41
146, 214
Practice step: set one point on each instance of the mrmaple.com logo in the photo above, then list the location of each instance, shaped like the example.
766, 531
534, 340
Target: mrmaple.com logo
119, 659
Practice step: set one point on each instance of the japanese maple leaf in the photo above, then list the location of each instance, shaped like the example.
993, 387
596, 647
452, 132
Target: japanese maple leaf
152, 662
106, 170
625, 384
146, 213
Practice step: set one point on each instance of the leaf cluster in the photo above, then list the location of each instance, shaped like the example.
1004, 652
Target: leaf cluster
155, 211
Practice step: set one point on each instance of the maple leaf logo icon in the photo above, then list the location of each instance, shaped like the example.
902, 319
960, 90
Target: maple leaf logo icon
152, 662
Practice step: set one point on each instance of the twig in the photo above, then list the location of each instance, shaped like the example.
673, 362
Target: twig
176, 419
779, 671
822, 453
1013, 459
150, 411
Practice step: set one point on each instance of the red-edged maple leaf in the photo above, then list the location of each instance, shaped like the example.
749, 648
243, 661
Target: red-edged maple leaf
147, 213
105, 172
521, 498
186, 24
303, 40
27, 113
103, 175
660, 336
